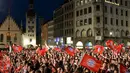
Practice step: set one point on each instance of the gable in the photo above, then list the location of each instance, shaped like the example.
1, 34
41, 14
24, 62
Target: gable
9, 22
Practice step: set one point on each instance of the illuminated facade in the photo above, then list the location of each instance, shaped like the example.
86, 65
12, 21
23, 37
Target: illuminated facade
10, 32
50, 33
44, 33
99, 20
64, 23
29, 37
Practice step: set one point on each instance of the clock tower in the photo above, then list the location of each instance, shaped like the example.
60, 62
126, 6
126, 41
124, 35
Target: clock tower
30, 38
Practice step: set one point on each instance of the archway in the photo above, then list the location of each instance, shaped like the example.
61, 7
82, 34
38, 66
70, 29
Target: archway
79, 45
88, 45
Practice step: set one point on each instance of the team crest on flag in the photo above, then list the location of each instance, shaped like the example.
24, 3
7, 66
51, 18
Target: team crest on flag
90, 62
71, 49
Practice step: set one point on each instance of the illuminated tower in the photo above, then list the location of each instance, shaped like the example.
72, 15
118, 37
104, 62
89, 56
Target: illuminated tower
30, 25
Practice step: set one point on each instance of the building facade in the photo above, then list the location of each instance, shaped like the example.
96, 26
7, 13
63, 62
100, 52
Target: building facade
99, 20
10, 32
51, 33
29, 37
64, 23
44, 33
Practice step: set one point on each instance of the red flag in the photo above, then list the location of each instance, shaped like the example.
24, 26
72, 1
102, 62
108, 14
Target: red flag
17, 48
98, 49
118, 48
70, 51
57, 49
1, 55
43, 51
90, 63
19, 68
123, 69
110, 44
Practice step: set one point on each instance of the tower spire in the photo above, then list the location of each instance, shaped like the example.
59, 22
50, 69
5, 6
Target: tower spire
31, 2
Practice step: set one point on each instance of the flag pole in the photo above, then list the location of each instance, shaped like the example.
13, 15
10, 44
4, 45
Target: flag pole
80, 61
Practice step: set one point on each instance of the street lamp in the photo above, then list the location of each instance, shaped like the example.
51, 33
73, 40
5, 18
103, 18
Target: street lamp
110, 33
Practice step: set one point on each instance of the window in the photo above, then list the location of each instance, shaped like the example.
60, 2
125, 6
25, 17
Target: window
8, 38
126, 13
85, 21
86, 1
121, 12
89, 32
1, 38
121, 22
89, 10
116, 11
127, 23
97, 7
111, 21
116, 21
126, 3
77, 23
116, 1
81, 22
106, 9
105, 20
77, 13
98, 19
81, 12
89, 21
30, 40
81, 2
77, 3
85, 10
15, 38
111, 11
121, 2
29, 22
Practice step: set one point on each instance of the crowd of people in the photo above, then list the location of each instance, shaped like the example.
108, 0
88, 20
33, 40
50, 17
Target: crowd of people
28, 61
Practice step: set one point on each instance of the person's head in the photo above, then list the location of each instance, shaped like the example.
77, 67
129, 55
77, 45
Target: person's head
37, 71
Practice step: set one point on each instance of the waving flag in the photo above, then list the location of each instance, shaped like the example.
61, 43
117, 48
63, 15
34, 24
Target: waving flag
57, 49
17, 48
98, 49
42, 51
90, 63
70, 51
110, 44
123, 69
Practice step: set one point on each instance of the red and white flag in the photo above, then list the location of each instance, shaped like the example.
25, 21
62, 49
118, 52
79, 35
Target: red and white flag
70, 50
57, 49
17, 48
98, 49
91, 63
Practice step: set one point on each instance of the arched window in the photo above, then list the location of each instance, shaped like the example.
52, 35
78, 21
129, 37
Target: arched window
77, 33
106, 32
117, 33
15, 38
1, 38
127, 33
122, 33
89, 32
112, 33
8, 37
83, 33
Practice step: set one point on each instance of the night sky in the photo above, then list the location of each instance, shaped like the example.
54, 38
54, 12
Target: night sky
43, 8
